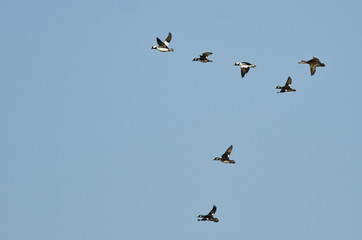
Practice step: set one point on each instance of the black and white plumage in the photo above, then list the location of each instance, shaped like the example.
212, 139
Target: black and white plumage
225, 158
286, 87
313, 63
209, 216
203, 57
163, 46
244, 66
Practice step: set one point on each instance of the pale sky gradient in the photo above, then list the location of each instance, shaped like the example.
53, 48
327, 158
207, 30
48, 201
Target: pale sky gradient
103, 138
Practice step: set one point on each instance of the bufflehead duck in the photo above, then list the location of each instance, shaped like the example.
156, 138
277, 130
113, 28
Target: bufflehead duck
209, 216
203, 57
163, 46
286, 87
313, 63
225, 158
244, 66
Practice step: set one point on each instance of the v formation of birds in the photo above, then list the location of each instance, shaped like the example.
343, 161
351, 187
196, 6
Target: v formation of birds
163, 46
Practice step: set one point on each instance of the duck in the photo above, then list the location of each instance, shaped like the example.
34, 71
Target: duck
244, 66
203, 57
286, 87
163, 46
225, 158
209, 216
313, 63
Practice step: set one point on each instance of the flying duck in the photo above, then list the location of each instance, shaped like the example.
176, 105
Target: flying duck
244, 66
286, 87
163, 46
225, 158
313, 63
209, 216
203, 57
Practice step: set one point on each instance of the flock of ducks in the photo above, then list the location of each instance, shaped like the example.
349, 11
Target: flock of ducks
163, 46
244, 66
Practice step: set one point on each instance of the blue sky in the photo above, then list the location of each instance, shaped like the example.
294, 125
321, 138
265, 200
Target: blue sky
104, 138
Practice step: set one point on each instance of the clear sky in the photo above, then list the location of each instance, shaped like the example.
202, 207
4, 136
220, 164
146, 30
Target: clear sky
103, 138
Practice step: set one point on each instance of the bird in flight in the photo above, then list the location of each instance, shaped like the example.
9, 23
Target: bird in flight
163, 46
286, 87
225, 158
209, 216
203, 57
244, 66
313, 63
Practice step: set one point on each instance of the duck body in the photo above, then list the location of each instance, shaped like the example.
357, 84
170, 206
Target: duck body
225, 158
163, 46
209, 216
162, 49
244, 66
286, 87
203, 57
313, 63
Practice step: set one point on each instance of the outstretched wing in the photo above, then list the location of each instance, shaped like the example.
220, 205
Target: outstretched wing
228, 151
168, 39
226, 155
244, 71
288, 83
316, 60
213, 211
206, 54
312, 69
160, 43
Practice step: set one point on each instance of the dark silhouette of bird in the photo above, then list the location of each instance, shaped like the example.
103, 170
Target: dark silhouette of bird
225, 158
313, 63
286, 87
203, 57
209, 216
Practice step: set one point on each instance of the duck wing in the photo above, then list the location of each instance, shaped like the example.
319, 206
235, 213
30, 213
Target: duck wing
244, 71
227, 153
316, 60
160, 43
206, 54
213, 211
312, 69
288, 83
168, 39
